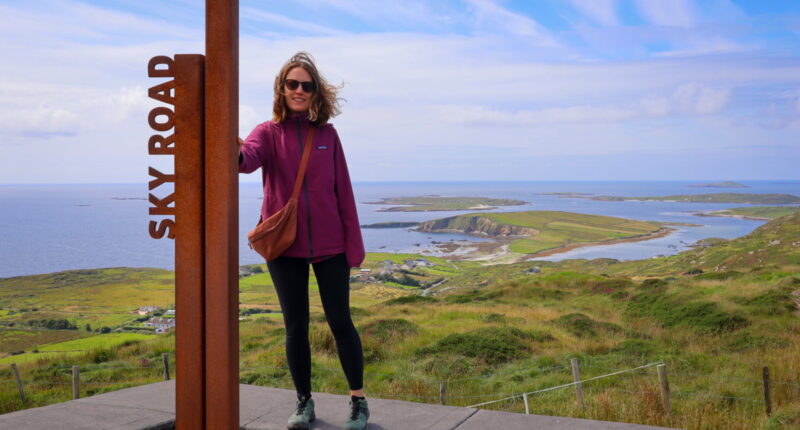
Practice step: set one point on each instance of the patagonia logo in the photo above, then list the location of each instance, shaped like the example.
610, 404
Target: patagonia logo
322, 147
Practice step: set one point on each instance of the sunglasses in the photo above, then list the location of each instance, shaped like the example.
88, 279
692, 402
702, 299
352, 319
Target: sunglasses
308, 86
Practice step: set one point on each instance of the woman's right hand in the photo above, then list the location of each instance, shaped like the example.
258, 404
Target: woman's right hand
240, 141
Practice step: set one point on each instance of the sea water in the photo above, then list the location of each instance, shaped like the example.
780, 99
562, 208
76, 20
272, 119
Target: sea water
48, 228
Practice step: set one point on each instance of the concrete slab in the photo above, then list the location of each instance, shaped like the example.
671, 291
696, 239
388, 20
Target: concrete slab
275, 405
484, 419
79, 415
152, 407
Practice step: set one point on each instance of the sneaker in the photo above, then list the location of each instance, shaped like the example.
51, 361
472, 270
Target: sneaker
359, 413
303, 415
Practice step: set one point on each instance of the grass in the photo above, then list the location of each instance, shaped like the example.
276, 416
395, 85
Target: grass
496, 330
76, 347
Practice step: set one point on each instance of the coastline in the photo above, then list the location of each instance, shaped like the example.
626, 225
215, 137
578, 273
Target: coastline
498, 252
662, 232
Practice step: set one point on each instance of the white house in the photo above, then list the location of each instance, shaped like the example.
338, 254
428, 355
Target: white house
161, 324
144, 310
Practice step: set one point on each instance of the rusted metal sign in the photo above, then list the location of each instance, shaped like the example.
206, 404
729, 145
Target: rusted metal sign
198, 127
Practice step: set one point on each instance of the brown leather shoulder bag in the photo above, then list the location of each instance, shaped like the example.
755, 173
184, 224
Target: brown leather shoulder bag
275, 234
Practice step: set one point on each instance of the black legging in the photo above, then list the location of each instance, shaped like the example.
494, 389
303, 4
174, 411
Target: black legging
290, 276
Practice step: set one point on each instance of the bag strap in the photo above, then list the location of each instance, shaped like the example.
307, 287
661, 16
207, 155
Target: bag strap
298, 182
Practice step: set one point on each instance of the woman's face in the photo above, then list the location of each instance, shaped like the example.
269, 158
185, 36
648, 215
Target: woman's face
297, 100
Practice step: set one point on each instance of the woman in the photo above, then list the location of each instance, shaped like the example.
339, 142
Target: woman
328, 233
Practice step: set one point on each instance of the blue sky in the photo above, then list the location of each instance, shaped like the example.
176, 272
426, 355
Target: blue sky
436, 90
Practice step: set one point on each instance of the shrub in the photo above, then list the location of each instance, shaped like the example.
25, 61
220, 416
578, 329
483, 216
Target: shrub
746, 341
719, 276
494, 318
450, 366
492, 345
581, 325
473, 296
101, 355
636, 348
771, 302
405, 300
388, 330
670, 312
653, 283
609, 286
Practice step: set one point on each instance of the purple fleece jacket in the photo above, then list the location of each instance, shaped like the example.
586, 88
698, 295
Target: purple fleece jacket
327, 221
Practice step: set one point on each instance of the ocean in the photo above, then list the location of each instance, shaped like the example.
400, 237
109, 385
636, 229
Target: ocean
49, 228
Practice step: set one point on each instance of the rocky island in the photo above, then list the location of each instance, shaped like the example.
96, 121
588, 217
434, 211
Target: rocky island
524, 235
725, 184
757, 213
743, 198
439, 203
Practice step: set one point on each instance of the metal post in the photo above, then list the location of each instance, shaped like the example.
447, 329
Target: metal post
19, 381
190, 388
576, 377
221, 209
76, 382
442, 393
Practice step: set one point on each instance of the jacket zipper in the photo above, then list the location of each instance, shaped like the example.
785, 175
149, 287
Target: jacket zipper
305, 191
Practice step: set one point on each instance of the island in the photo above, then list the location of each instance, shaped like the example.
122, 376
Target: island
439, 203
757, 213
564, 194
724, 184
391, 224
525, 235
742, 198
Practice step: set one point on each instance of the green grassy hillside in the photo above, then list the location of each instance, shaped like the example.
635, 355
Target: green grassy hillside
715, 315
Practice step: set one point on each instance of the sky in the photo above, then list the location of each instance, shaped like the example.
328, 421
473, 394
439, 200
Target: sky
456, 90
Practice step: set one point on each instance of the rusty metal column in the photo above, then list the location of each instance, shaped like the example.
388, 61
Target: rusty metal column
222, 215
189, 249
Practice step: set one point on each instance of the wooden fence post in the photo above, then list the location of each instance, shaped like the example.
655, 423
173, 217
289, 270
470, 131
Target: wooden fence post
165, 359
76, 382
527, 408
576, 377
19, 382
442, 393
662, 379
767, 397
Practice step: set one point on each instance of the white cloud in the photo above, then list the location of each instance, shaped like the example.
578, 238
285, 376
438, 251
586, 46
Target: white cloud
601, 11
286, 22
493, 17
670, 13
699, 99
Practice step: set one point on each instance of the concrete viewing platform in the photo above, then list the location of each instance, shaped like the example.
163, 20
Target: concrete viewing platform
152, 407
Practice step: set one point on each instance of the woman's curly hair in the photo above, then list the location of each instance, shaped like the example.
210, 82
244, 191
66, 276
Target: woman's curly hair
324, 102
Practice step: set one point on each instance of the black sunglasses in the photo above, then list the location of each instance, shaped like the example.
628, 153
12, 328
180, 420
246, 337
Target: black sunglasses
308, 86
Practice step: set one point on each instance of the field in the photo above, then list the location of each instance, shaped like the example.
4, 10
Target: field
715, 315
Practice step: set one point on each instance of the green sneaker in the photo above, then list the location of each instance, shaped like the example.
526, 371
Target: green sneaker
302, 416
359, 413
